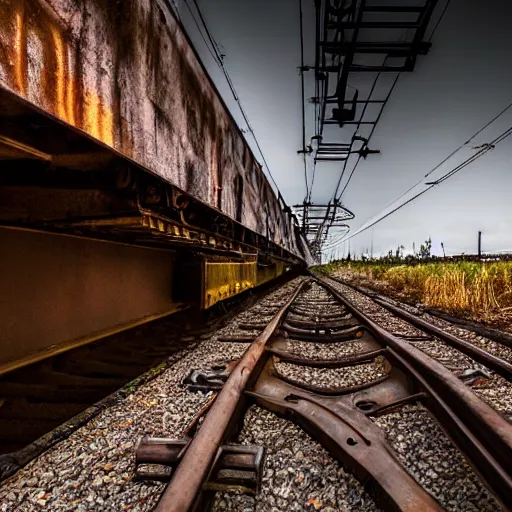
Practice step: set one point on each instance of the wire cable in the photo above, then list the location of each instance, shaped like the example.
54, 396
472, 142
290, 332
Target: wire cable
468, 161
301, 30
478, 132
371, 133
219, 61
214, 55
210, 37
439, 20
345, 163
312, 181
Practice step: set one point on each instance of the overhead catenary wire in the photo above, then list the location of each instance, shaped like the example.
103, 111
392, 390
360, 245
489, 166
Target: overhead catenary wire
312, 182
318, 6
209, 35
337, 200
214, 55
390, 92
486, 148
449, 174
441, 17
355, 133
218, 58
478, 132
330, 244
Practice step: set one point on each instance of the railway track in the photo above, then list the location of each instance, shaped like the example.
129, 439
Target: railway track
341, 417
393, 419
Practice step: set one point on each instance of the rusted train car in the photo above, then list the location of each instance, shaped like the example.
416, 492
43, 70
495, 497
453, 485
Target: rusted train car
111, 130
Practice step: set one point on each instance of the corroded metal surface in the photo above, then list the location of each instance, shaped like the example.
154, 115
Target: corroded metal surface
183, 491
339, 417
497, 364
483, 434
349, 434
223, 280
125, 73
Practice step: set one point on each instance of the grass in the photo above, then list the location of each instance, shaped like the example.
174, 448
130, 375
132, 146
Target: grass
481, 290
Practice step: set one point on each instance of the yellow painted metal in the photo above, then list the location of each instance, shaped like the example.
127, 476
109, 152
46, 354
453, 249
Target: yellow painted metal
270, 272
223, 280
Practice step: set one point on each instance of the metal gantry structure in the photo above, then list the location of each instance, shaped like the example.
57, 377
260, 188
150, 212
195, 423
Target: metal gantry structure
362, 46
314, 218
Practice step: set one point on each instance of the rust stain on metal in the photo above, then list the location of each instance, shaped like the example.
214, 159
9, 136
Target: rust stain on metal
40, 34
125, 73
20, 52
98, 119
60, 79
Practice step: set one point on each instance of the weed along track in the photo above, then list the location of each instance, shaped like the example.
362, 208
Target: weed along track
478, 289
315, 398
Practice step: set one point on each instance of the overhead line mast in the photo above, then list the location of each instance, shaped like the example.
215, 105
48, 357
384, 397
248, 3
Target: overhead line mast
356, 41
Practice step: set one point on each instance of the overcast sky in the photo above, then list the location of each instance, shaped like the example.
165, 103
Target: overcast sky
463, 82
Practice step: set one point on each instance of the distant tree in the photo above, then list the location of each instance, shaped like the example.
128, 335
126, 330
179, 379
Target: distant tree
424, 252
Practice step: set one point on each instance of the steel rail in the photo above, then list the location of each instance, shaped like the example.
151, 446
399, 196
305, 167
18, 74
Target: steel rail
483, 435
495, 363
480, 329
469, 325
338, 419
183, 491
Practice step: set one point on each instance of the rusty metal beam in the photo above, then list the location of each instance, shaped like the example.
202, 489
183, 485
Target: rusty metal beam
349, 435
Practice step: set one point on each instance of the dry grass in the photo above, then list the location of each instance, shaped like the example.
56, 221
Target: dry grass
479, 290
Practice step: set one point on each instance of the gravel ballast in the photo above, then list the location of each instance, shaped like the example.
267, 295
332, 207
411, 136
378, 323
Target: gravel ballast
299, 474
499, 391
434, 462
92, 470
